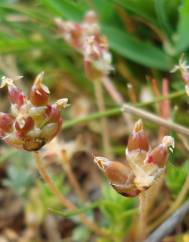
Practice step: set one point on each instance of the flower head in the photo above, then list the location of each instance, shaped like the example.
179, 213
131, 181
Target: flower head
184, 70
87, 39
33, 121
143, 165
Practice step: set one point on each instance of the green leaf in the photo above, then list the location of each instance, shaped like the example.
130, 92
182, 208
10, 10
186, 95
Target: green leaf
65, 8
14, 45
104, 9
141, 52
144, 9
77, 211
182, 41
176, 176
160, 6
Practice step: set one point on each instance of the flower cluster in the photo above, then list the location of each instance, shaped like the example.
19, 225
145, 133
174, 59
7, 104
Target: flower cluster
87, 39
32, 121
184, 70
142, 167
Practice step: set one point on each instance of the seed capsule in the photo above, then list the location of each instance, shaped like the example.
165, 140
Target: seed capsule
16, 96
23, 126
159, 154
138, 139
90, 17
53, 114
6, 121
39, 93
119, 175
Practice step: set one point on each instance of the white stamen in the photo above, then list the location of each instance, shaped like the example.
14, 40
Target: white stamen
62, 103
169, 142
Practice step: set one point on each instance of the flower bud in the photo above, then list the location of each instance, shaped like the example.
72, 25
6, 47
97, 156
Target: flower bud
23, 126
183, 68
138, 139
6, 121
39, 93
90, 17
53, 114
119, 175
70, 31
159, 154
16, 96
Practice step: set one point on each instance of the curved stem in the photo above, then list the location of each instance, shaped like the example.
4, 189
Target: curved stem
71, 176
64, 201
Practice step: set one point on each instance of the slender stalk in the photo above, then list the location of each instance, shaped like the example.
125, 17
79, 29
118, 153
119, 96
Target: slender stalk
104, 123
154, 193
174, 206
156, 119
131, 93
64, 201
143, 216
184, 141
71, 176
92, 117
116, 111
116, 96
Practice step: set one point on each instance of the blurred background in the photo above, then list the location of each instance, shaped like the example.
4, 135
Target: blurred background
146, 39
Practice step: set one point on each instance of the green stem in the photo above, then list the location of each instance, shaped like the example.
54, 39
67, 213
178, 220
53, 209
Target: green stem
117, 110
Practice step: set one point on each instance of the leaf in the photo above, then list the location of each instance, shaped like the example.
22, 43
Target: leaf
81, 233
144, 9
104, 9
160, 6
182, 41
65, 8
176, 176
77, 211
141, 52
14, 45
